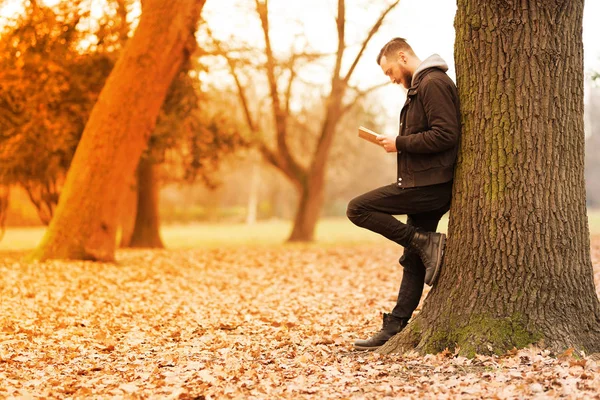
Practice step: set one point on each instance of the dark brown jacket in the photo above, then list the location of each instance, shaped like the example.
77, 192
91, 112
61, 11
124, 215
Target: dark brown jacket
429, 127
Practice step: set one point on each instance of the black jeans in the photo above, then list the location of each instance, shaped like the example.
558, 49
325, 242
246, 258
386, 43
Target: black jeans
424, 207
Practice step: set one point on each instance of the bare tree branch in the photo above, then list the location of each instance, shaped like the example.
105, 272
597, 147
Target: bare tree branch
372, 32
288, 90
278, 114
361, 94
238, 84
311, 56
333, 102
314, 85
335, 106
204, 52
262, 10
302, 125
341, 28
273, 158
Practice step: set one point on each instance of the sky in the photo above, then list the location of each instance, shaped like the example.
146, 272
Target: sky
428, 32
426, 24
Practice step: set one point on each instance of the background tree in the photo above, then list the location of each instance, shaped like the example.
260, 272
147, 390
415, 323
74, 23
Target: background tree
281, 75
113, 141
4, 196
192, 137
47, 89
518, 233
592, 144
43, 57
275, 195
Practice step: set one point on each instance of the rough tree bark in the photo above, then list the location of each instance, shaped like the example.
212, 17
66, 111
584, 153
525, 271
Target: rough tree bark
517, 268
146, 232
86, 218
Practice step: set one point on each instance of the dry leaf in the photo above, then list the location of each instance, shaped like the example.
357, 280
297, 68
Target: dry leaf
271, 322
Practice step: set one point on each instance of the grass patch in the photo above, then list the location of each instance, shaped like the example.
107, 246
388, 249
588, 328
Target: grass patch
329, 231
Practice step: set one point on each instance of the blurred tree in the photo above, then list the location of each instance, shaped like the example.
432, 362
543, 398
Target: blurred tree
192, 136
354, 167
592, 170
47, 89
518, 233
4, 193
118, 130
49, 84
344, 179
592, 146
308, 177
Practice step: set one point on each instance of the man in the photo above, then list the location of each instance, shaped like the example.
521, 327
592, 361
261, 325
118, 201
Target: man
426, 150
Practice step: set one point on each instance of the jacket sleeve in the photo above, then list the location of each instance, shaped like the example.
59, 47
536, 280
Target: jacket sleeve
439, 107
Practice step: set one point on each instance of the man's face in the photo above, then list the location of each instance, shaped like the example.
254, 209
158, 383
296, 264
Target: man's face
395, 69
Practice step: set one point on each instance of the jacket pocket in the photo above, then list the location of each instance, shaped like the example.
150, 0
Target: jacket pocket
424, 162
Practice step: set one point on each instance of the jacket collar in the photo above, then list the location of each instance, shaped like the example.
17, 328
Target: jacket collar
426, 66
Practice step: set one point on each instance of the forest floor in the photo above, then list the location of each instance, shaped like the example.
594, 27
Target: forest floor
261, 321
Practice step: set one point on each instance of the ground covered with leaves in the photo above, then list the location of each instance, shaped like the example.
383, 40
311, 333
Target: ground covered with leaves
260, 322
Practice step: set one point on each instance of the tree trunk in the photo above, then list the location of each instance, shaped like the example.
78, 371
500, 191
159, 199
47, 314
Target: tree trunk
85, 222
308, 180
309, 208
128, 211
312, 192
4, 203
252, 208
146, 232
518, 233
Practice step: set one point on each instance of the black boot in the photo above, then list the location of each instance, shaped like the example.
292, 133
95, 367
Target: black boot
391, 326
430, 247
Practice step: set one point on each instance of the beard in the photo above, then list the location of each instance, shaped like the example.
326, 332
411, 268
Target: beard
406, 79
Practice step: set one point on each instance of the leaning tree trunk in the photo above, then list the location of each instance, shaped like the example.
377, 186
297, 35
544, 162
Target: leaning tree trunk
85, 222
147, 223
517, 268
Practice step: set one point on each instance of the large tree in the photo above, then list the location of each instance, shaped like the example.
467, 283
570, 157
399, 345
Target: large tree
517, 268
48, 86
85, 223
42, 55
281, 74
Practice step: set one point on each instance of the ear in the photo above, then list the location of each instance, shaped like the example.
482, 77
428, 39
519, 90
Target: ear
401, 56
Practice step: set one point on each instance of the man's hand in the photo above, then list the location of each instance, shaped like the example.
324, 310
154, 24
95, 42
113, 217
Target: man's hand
388, 142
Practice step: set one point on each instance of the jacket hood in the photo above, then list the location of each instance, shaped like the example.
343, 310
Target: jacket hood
433, 61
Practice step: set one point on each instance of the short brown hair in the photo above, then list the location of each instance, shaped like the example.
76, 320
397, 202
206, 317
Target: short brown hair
394, 46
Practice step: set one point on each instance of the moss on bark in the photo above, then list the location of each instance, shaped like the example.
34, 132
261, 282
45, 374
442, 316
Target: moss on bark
483, 334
